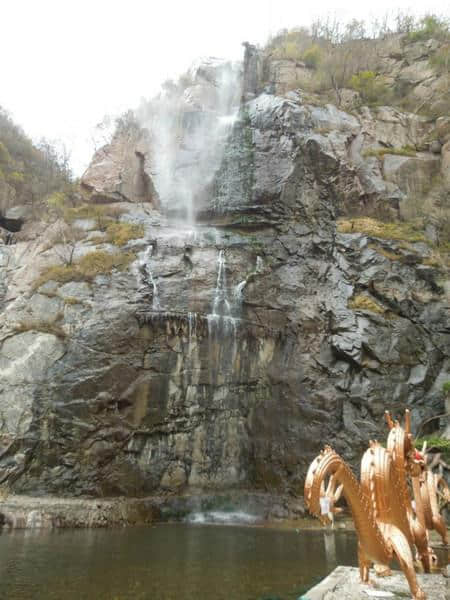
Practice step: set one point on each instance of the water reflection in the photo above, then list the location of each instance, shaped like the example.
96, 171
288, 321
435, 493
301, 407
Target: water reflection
182, 562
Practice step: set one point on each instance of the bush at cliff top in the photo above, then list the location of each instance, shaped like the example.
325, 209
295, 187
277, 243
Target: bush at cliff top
288, 50
431, 26
86, 268
312, 57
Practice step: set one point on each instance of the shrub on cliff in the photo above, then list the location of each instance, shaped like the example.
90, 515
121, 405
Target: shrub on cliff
371, 88
312, 57
430, 27
86, 268
102, 214
121, 233
441, 59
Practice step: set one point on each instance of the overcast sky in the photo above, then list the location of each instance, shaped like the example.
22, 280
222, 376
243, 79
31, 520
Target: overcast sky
67, 63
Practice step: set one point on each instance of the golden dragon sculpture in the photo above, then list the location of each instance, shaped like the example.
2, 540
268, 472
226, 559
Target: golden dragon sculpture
408, 462
427, 487
381, 522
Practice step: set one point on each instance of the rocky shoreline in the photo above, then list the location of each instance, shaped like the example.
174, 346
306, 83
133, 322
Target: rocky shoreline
50, 512
344, 584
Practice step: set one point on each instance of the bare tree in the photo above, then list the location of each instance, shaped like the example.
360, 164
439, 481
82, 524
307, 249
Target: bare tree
65, 242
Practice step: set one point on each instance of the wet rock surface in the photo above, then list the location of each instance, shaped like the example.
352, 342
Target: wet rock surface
229, 352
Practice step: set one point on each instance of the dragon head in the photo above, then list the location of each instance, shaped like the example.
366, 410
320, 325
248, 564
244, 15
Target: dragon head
326, 463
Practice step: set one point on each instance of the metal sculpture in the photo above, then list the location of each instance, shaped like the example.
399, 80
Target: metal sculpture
407, 461
387, 521
380, 520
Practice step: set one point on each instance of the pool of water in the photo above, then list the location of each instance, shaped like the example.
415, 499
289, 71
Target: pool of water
169, 562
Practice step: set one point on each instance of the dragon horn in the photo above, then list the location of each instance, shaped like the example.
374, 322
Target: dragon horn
407, 421
389, 421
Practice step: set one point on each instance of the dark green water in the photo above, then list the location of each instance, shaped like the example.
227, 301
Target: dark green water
168, 562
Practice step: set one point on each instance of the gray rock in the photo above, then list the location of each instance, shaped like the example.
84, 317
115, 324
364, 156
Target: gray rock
197, 371
344, 584
117, 172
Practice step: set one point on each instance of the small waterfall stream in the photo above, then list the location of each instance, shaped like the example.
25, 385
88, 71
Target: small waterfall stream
222, 320
147, 278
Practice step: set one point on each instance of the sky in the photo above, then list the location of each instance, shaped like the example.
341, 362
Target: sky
65, 64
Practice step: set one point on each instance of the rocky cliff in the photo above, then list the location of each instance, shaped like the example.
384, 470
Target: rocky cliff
225, 351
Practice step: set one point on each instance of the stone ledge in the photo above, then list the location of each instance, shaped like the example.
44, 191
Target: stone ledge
344, 584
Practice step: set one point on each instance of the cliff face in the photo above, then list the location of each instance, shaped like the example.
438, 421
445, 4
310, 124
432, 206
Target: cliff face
232, 349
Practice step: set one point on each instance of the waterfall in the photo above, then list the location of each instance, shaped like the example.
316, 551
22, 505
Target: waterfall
221, 319
221, 304
188, 126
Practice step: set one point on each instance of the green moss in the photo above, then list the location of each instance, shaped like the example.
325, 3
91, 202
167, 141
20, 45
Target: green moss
446, 387
390, 231
361, 302
86, 268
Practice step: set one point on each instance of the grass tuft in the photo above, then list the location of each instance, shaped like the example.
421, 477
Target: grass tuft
379, 152
389, 231
120, 234
361, 302
34, 325
386, 253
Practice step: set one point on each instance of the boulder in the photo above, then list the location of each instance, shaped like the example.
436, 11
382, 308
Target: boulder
117, 171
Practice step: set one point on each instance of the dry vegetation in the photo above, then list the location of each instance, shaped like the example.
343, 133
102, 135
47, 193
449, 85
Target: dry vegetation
120, 234
380, 152
350, 55
386, 253
42, 327
86, 268
407, 232
361, 302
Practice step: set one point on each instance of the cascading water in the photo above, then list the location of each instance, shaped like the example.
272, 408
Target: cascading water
147, 277
223, 318
188, 130
188, 127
